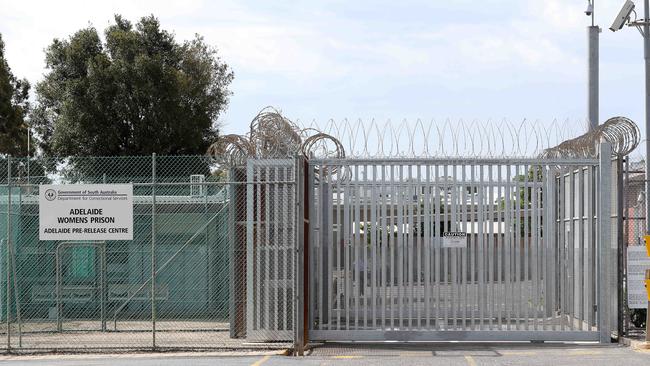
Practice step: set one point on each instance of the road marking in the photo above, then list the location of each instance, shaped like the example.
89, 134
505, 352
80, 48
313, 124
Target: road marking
347, 357
261, 360
519, 353
470, 360
584, 353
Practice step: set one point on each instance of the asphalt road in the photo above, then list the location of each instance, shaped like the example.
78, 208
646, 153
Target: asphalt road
436, 354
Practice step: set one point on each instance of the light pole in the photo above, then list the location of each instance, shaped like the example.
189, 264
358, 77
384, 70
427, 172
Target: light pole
643, 26
593, 32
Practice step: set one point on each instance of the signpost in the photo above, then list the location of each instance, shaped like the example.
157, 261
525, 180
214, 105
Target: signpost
86, 212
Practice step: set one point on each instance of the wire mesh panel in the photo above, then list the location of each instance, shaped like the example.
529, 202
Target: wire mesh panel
271, 242
384, 266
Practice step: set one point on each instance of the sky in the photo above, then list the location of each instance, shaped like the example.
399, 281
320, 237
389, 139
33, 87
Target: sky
321, 60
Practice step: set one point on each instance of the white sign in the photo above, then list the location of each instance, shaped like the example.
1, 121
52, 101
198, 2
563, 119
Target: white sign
637, 263
86, 212
454, 240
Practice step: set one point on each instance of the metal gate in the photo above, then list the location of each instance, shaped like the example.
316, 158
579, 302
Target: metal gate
537, 263
271, 238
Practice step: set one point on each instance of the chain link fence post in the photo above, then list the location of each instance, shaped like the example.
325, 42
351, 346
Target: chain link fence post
7, 261
153, 250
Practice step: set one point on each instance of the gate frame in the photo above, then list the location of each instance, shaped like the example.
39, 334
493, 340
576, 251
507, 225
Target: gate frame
605, 249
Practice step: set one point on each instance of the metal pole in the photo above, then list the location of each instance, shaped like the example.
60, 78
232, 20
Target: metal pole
28, 143
593, 83
8, 305
646, 53
605, 268
153, 249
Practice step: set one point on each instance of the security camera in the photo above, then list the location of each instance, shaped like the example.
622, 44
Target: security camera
622, 16
590, 9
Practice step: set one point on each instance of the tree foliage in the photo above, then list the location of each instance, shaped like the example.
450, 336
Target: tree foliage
14, 106
135, 93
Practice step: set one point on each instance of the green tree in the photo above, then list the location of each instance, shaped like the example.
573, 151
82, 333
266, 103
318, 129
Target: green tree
14, 106
136, 93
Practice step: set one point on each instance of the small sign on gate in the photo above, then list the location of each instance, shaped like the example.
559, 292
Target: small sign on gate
637, 263
454, 240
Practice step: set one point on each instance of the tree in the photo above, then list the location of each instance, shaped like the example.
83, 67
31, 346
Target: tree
136, 93
14, 106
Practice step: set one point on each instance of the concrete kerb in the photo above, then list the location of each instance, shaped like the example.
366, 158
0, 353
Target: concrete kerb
635, 344
142, 354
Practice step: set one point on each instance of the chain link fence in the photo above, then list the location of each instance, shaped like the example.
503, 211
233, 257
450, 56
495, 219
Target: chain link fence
633, 233
200, 264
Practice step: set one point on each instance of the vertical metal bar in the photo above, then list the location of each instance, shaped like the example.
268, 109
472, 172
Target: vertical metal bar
315, 259
526, 294
508, 212
400, 249
8, 269
301, 276
534, 248
426, 220
517, 292
499, 240
553, 241
472, 247
331, 292
276, 245
408, 211
445, 252
363, 243
417, 232
604, 241
339, 247
548, 239
621, 255
438, 196
453, 270
490, 250
581, 248
373, 245
347, 269
591, 247
480, 288
357, 244
463, 299
571, 248
383, 243
153, 250
394, 254
562, 250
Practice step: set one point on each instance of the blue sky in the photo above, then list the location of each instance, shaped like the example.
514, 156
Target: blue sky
455, 59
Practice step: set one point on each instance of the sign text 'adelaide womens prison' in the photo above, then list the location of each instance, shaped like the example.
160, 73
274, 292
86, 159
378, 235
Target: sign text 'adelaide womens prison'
86, 212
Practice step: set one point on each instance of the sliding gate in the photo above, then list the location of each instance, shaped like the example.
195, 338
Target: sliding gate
475, 250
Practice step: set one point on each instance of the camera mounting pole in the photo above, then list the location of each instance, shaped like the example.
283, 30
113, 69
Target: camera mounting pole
593, 87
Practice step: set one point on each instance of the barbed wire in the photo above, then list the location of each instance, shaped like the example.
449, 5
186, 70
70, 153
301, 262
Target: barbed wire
621, 132
272, 135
